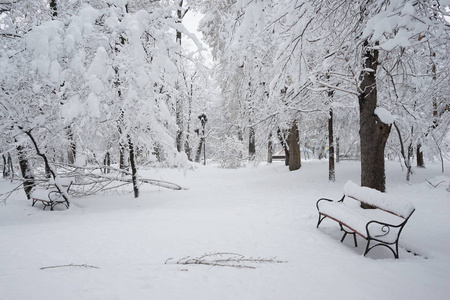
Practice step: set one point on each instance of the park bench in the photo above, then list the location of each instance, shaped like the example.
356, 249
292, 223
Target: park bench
50, 196
381, 226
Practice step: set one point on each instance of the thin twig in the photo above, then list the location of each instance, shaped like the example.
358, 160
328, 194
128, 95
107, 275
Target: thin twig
70, 265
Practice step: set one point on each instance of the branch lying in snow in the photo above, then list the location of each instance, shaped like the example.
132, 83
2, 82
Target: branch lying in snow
91, 182
70, 265
435, 185
5, 196
224, 259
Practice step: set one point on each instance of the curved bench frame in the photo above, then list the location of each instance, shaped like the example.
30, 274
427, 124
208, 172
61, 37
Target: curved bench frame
385, 227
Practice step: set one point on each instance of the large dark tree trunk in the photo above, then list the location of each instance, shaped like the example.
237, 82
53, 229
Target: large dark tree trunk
419, 156
294, 148
373, 132
25, 170
331, 172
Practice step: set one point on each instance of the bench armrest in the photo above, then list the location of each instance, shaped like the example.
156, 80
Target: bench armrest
329, 200
384, 232
54, 195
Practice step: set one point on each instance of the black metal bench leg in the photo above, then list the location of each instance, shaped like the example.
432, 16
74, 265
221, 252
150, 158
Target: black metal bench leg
354, 238
343, 237
367, 247
321, 217
394, 251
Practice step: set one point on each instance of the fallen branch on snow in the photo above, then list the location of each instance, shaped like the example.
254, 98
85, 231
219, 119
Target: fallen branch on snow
91, 180
224, 259
70, 265
435, 185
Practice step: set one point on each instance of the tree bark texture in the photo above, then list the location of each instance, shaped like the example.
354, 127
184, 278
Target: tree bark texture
179, 114
373, 132
251, 144
134, 179
331, 167
294, 148
270, 149
282, 138
25, 169
419, 157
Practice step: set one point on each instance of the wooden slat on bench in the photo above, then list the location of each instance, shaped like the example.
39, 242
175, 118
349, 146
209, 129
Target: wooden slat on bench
349, 227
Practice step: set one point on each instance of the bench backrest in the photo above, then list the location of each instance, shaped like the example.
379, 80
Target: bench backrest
397, 206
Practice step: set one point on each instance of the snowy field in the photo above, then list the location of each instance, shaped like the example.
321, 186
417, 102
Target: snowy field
130, 246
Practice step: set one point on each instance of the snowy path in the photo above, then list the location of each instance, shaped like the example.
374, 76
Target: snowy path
260, 212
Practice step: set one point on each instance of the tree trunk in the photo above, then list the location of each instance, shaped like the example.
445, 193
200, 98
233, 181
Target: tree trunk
406, 158
53, 8
122, 157
6, 170
107, 162
203, 119
331, 172
251, 144
294, 148
373, 133
199, 150
270, 149
419, 156
25, 169
337, 150
72, 153
284, 144
134, 179
179, 104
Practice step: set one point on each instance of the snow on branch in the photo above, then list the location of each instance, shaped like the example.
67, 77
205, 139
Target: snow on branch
91, 179
385, 116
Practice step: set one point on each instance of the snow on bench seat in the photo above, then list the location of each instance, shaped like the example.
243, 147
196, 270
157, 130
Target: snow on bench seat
397, 206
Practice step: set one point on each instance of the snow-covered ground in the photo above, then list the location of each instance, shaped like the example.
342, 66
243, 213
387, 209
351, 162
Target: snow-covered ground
263, 212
